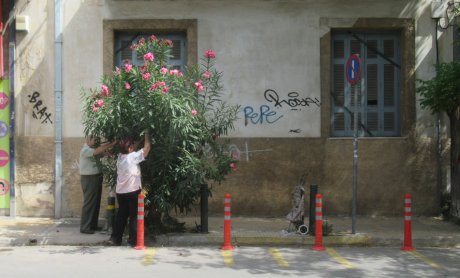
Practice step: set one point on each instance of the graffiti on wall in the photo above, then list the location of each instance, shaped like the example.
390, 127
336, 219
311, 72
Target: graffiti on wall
236, 152
39, 110
293, 100
275, 107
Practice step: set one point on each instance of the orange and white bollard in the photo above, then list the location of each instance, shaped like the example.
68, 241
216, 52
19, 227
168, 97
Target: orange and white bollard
319, 223
407, 224
140, 223
227, 223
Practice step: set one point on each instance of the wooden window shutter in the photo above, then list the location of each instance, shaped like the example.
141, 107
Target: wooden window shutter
372, 85
339, 85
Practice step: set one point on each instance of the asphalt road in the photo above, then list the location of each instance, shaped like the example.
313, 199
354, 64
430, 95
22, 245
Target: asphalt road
112, 262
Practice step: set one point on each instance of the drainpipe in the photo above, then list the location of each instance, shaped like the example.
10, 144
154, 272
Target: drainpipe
438, 135
58, 105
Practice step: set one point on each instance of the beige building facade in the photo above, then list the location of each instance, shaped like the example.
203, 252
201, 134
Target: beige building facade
283, 61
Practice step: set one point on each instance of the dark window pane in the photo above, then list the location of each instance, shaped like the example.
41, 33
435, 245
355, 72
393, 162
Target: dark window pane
388, 48
355, 47
175, 51
372, 90
126, 52
339, 121
389, 85
339, 85
389, 121
372, 121
339, 49
371, 49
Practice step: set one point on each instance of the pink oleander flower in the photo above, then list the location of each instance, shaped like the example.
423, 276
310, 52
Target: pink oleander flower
206, 74
95, 108
210, 54
168, 42
199, 86
154, 87
149, 57
194, 112
233, 166
165, 90
134, 46
141, 41
152, 38
159, 84
143, 68
117, 71
99, 103
127, 86
163, 70
146, 76
128, 67
104, 90
175, 72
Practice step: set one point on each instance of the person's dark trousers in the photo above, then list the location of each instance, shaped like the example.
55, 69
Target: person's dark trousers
127, 208
92, 191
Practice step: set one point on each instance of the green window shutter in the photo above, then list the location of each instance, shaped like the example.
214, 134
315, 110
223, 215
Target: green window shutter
123, 41
378, 107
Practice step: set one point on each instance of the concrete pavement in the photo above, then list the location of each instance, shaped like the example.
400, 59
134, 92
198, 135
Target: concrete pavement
246, 231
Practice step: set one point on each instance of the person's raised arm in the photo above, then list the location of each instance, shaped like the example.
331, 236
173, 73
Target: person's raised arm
102, 148
147, 144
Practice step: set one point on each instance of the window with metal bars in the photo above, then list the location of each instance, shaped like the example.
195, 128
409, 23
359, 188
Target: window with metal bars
379, 88
123, 41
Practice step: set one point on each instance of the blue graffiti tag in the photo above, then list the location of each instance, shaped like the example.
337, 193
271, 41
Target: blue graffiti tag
259, 118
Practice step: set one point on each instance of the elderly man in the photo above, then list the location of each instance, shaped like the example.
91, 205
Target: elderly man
91, 183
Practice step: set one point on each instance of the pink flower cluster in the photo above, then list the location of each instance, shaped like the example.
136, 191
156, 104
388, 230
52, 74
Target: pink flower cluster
128, 67
160, 84
104, 90
168, 42
176, 72
149, 57
146, 76
194, 112
199, 86
206, 74
98, 103
210, 54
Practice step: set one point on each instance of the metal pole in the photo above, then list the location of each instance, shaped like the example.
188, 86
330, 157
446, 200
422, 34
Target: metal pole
204, 208
59, 181
355, 162
312, 219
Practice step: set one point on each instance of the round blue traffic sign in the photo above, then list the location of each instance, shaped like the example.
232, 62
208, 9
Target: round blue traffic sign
353, 69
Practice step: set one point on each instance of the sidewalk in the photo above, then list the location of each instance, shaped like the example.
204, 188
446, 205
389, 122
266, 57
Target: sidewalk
246, 231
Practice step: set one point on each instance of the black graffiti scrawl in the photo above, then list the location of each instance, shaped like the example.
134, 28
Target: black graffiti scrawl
39, 110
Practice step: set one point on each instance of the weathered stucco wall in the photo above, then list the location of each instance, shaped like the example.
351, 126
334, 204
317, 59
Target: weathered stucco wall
260, 45
387, 170
34, 176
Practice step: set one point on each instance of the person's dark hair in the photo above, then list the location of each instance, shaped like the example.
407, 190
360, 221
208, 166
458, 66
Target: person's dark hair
124, 146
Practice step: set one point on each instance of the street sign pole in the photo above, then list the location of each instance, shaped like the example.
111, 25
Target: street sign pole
355, 163
353, 72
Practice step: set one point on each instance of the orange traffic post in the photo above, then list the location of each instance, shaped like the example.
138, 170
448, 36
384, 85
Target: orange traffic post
319, 224
140, 223
407, 224
227, 223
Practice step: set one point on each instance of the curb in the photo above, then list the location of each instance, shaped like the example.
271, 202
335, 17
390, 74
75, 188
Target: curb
360, 240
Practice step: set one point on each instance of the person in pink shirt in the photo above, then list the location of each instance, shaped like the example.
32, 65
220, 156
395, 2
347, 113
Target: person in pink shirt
128, 188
